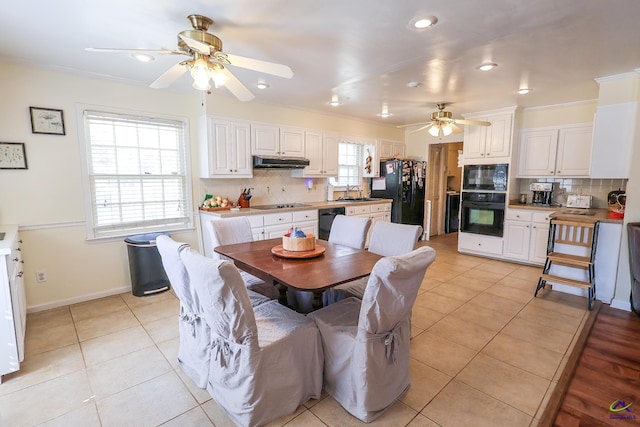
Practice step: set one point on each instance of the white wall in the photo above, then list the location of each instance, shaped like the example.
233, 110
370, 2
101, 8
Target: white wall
46, 199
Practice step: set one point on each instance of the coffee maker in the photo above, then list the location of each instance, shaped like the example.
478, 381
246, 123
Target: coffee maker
542, 193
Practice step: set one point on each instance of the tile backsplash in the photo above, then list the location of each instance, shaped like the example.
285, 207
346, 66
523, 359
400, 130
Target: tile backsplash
597, 188
268, 187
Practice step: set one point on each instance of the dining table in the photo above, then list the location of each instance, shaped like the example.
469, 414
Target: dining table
329, 265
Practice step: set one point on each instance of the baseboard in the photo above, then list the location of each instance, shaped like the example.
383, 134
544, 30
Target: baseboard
621, 305
76, 300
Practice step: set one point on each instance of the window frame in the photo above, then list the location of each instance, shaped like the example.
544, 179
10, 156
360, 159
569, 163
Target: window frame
92, 230
339, 186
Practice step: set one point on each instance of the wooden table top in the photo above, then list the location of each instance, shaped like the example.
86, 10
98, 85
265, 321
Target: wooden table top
338, 264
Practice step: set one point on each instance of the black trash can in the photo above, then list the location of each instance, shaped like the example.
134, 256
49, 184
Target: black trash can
145, 265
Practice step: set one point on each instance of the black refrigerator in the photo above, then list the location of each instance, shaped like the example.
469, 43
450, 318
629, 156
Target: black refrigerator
404, 182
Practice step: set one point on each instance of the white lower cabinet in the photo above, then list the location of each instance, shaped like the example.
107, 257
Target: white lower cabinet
12, 302
479, 245
525, 235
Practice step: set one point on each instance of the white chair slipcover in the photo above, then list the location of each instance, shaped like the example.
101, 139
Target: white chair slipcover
193, 351
349, 231
387, 239
265, 362
366, 343
237, 230
345, 230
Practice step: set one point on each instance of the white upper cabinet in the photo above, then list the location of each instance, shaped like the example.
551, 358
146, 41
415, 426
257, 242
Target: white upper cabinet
561, 151
322, 151
489, 144
391, 149
613, 136
270, 140
225, 149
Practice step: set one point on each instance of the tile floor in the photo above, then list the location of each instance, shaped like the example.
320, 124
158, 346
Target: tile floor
484, 353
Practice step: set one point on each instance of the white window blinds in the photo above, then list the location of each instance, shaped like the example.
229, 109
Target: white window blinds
137, 173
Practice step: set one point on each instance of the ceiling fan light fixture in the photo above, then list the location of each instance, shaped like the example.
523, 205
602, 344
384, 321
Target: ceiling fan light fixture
487, 66
200, 74
447, 129
217, 75
434, 130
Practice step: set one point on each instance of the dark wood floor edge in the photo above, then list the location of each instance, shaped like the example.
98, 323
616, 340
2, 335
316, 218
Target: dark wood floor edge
557, 396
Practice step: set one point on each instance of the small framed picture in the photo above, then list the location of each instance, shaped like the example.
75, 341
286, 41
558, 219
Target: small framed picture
13, 155
47, 120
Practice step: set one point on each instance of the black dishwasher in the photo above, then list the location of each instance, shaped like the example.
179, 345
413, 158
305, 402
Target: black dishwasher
325, 219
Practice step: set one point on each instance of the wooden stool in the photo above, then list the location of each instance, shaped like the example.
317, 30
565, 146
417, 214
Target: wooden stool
573, 233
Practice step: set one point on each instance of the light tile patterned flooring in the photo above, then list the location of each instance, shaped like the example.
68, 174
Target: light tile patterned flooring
484, 353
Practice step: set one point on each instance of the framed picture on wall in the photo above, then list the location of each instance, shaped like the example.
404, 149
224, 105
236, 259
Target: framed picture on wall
47, 120
13, 155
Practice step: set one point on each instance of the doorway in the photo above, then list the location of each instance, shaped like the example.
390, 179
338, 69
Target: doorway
444, 179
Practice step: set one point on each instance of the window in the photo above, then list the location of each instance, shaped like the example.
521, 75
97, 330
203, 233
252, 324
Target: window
348, 165
137, 179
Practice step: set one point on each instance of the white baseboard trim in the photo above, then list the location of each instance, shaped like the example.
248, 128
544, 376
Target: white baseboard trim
76, 300
621, 305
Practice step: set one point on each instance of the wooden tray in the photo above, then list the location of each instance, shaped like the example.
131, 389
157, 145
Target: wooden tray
279, 251
215, 209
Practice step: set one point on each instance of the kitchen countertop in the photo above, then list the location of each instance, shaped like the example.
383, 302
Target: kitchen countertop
309, 205
560, 212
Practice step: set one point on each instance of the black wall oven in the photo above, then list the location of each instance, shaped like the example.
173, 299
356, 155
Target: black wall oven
485, 177
482, 213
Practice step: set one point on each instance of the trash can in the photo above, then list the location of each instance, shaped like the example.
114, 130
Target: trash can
633, 229
145, 265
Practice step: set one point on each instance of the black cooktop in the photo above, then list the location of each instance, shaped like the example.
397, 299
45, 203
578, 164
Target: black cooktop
280, 206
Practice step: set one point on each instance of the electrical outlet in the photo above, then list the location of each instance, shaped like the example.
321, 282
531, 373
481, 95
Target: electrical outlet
41, 276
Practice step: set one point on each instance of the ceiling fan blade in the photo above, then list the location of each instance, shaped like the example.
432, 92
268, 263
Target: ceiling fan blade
430, 123
456, 129
471, 122
149, 51
262, 66
236, 87
196, 45
169, 76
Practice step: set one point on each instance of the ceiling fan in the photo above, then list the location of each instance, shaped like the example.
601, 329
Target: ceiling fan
207, 61
442, 124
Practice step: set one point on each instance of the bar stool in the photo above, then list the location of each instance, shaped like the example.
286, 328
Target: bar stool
577, 235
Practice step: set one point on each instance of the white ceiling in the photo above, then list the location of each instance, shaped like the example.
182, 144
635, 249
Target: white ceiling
361, 50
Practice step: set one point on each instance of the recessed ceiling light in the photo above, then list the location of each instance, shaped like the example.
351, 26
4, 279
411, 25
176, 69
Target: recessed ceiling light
414, 84
142, 57
423, 22
487, 66
262, 85
335, 101
385, 112
524, 91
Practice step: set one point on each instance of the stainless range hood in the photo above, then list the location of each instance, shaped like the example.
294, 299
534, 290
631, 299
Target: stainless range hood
274, 162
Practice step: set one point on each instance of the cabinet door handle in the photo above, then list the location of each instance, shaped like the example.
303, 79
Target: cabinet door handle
19, 241
551, 172
488, 154
558, 171
20, 274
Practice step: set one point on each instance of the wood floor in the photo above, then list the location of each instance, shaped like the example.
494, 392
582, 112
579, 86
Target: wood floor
607, 374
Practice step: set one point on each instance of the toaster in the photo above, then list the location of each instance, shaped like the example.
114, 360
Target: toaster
575, 201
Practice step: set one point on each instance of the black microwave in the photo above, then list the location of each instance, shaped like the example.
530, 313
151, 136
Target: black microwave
485, 177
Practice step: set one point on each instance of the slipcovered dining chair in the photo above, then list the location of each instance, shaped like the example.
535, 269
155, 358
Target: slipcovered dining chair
193, 353
387, 239
265, 362
238, 230
366, 342
349, 231
345, 230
